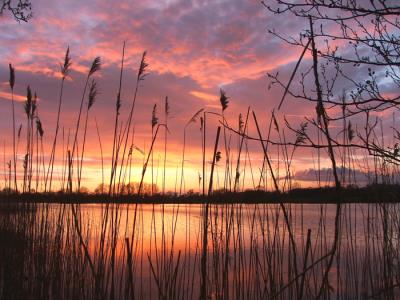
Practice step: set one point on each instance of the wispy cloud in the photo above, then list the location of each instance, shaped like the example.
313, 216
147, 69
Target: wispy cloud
8, 96
194, 48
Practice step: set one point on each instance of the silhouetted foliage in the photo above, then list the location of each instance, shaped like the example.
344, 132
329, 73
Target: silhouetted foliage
356, 45
21, 9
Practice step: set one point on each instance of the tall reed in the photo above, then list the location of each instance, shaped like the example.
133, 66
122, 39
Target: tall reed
154, 122
166, 114
28, 113
64, 73
192, 120
114, 156
141, 75
12, 83
96, 65
91, 100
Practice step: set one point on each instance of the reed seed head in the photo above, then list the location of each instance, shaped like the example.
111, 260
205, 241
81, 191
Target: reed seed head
34, 105
241, 124
67, 64
19, 130
96, 66
194, 118
218, 156
350, 132
166, 106
154, 119
39, 127
301, 134
92, 93
118, 104
223, 99
12, 76
142, 68
28, 102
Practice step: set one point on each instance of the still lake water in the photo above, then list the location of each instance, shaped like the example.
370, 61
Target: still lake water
246, 240
253, 251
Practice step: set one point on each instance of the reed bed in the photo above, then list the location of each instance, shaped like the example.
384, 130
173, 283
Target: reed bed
181, 251
154, 251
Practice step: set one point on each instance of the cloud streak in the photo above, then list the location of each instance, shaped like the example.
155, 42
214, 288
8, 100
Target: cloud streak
194, 49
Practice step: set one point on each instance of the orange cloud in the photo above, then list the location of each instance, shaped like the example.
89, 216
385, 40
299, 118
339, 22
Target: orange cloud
8, 96
203, 96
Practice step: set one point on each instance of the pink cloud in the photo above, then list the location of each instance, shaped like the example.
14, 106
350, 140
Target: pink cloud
194, 49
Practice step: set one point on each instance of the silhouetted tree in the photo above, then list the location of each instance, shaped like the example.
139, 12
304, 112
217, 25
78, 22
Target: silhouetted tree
353, 44
357, 48
21, 9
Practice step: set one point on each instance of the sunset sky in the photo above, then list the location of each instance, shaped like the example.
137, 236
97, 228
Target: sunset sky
194, 48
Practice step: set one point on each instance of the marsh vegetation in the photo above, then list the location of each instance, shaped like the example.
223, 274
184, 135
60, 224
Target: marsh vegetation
248, 231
